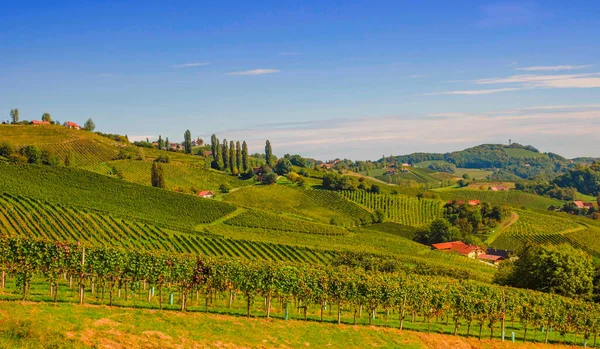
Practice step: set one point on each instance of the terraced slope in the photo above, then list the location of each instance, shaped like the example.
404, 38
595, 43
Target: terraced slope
401, 209
512, 197
538, 227
26, 217
74, 187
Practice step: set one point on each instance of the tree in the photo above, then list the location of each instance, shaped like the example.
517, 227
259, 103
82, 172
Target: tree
238, 155
225, 154
158, 175
269, 178
46, 117
283, 166
245, 156
70, 159
214, 143
268, 153
232, 158
440, 230
561, 269
298, 160
33, 154
187, 142
375, 189
14, 115
6, 150
160, 143
89, 125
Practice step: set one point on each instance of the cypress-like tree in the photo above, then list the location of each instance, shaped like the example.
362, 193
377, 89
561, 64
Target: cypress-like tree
232, 158
167, 145
268, 153
187, 142
245, 156
238, 155
14, 115
157, 175
225, 154
214, 143
160, 142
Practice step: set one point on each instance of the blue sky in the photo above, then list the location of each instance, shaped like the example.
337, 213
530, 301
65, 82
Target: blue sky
324, 79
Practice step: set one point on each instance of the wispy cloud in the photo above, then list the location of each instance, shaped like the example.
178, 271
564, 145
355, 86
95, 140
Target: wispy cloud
590, 80
557, 128
255, 72
289, 53
554, 67
190, 65
473, 92
414, 76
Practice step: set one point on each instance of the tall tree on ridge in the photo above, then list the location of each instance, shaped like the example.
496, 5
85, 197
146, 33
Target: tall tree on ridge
187, 142
14, 115
160, 142
89, 125
167, 145
238, 156
268, 153
245, 156
213, 145
232, 158
46, 117
225, 152
157, 175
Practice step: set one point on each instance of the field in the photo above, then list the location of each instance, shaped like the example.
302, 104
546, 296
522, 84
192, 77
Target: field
317, 205
405, 210
260, 219
523, 153
472, 172
537, 227
512, 197
84, 189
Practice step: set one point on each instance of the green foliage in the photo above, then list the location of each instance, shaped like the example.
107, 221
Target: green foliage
334, 181
157, 175
440, 230
283, 166
89, 125
33, 154
46, 117
585, 179
269, 178
224, 188
512, 197
14, 115
187, 142
561, 269
245, 166
268, 153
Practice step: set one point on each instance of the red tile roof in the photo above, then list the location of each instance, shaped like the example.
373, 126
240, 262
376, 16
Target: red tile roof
490, 257
40, 122
579, 204
72, 124
205, 192
453, 245
474, 202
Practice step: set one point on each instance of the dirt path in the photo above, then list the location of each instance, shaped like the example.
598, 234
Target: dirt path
513, 219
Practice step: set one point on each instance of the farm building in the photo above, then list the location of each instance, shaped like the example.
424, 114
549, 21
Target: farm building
460, 247
72, 125
581, 204
206, 194
494, 259
40, 122
469, 202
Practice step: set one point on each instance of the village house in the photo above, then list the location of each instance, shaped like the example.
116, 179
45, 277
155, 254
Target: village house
72, 125
469, 202
581, 204
40, 122
206, 194
494, 259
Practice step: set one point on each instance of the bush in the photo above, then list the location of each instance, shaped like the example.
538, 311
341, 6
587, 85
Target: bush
163, 158
269, 178
224, 188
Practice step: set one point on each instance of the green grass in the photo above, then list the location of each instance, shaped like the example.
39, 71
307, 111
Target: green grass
260, 219
523, 153
317, 205
404, 231
472, 172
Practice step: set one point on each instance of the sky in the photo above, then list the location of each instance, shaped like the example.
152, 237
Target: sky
347, 79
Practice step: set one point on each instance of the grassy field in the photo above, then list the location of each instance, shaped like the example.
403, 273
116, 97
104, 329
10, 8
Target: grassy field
472, 172
317, 205
34, 325
516, 198
523, 153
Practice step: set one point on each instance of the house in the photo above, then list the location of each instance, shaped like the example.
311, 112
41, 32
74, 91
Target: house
71, 124
588, 205
405, 164
325, 166
474, 202
502, 253
494, 259
207, 153
578, 204
40, 122
499, 188
459, 247
462, 202
206, 194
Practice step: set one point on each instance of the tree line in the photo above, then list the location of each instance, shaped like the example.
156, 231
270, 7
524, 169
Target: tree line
404, 296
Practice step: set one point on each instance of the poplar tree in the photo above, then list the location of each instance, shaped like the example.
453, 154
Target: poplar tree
225, 154
160, 142
167, 145
187, 142
157, 175
232, 158
213, 145
245, 156
238, 155
268, 153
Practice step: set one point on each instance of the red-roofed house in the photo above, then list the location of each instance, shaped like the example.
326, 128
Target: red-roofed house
71, 124
491, 258
40, 122
206, 194
460, 247
579, 204
474, 202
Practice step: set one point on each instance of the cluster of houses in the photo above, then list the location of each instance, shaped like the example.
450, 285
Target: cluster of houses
68, 124
492, 256
329, 164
